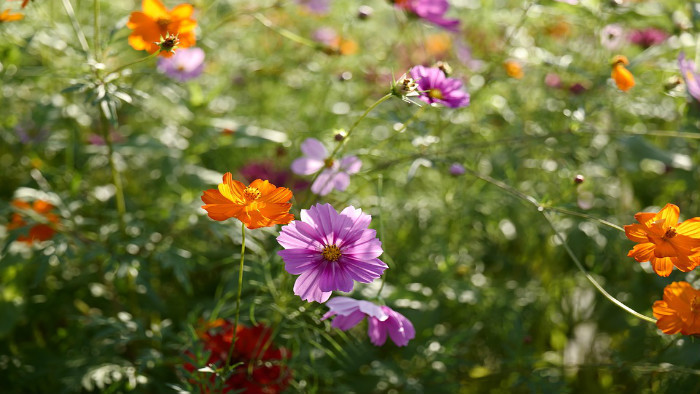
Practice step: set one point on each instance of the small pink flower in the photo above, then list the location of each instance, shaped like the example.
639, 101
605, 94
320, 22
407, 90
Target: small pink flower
334, 174
383, 321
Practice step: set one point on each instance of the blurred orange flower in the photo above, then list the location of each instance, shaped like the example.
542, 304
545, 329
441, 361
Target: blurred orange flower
665, 243
679, 311
38, 232
437, 45
5, 16
513, 69
156, 23
622, 77
261, 204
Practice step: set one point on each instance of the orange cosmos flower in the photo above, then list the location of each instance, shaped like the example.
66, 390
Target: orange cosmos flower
38, 232
679, 311
622, 77
261, 204
156, 23
5, 16
665, 243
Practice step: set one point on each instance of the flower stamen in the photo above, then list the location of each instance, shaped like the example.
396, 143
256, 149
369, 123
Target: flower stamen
436, 94
251, 193
331, 253
670, 233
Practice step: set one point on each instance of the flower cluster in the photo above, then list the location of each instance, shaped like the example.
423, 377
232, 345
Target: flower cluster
40, 209
262, 366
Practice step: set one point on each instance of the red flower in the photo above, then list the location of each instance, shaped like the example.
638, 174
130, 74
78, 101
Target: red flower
263, 369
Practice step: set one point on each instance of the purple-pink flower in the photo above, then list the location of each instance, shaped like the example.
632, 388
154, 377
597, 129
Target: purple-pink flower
335, 174
432, 11
330, 250
435, 87
383, 321
690, 77
648, 37
457, 169
185, 64
319, 7
611, 36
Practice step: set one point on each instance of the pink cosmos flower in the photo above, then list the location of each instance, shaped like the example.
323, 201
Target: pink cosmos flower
185, 64
335, 175
383, 321
689, 75
432, 11
330, 250
435, 87
611, 36
457, 169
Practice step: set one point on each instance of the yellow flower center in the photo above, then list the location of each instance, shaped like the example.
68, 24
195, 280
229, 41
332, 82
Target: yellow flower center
328, 163
695, 304
251, 193
670, 233
689, 76
331, 253
163, 22
436, 94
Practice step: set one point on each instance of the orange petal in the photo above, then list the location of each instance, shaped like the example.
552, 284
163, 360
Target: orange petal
642, 252
669, 214
645, 218
683, 263
661, 308
669, 324
154, 9
665, 249
622, 77
662, 266
636, 232
182, 11
690, 228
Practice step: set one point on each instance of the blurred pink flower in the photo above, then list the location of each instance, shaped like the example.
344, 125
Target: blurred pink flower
457, 169
383, 321
648, 37
432, 11
611, 36
552, 80
267, 170
334, 174
687, 68
185, 64
319, 7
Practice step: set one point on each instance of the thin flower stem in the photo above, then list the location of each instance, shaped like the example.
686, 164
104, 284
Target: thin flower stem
76, 26
116, 178
411, 119
238, 298
285, 33
143, 59
98, 55
568, 250
586, 216
591, 279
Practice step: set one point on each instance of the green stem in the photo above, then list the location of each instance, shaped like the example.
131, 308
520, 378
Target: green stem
571, 254
380, 187
591, 279
238, 298
76, 26
154, 54
286, 33
98, 55
586, 216
116, 178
